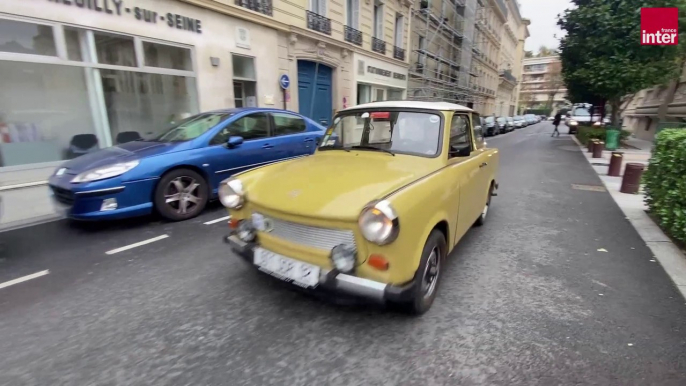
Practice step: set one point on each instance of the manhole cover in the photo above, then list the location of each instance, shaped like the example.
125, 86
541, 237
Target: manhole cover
590, 188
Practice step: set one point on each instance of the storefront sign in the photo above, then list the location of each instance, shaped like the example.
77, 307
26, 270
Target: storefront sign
117, 7
382, 72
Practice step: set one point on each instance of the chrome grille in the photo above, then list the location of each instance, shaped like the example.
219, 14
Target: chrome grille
311, 236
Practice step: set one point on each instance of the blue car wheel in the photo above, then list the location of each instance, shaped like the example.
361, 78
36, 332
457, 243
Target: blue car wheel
181, 194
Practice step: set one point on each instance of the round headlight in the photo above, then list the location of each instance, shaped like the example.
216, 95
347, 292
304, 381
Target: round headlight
343, 257
379, 223
231, 194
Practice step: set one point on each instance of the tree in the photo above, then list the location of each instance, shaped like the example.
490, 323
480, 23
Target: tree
528, 54
526, 99
553, 82
545, 51
602, 58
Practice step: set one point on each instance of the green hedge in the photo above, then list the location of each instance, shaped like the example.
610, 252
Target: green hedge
584, 134
665, 182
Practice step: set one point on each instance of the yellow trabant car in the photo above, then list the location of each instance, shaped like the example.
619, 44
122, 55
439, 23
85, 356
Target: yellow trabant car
391, 189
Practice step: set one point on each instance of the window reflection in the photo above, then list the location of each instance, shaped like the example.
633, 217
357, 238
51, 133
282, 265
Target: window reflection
26, 38
165, 56
115, 49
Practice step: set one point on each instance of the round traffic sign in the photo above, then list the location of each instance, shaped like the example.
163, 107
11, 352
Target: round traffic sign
284, 81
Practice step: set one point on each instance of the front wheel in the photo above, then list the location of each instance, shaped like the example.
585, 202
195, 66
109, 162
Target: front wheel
181, 194
428, 275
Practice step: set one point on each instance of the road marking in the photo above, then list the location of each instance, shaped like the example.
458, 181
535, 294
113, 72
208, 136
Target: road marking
217, 220
24, 278
134, 245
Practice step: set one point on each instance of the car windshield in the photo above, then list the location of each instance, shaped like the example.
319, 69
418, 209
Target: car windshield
405, 132
489, 119
581, 112
501, 120
192, 127
510, 119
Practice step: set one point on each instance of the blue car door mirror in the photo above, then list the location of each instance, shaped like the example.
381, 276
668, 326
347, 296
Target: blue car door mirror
234, 141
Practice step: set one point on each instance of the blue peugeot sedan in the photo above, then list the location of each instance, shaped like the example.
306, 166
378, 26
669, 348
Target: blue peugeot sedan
178, 172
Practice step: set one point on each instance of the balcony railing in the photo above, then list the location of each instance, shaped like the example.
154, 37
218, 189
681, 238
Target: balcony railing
398, 53
352, 35
378, 45
507, 74
261, 6
318, 23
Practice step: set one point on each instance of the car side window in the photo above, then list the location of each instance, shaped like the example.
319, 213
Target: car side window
459, 131
288, 124
253, 126
478, 131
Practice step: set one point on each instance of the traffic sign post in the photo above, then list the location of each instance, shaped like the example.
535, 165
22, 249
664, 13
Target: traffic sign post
284, 82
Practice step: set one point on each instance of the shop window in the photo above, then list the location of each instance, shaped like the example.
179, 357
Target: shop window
45, 114
75, 40
166, 56
244, 84
287, 124
146, 103
379, 95
26, 38
364, 93
115, 49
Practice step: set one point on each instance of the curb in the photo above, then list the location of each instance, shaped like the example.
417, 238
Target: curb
670, 257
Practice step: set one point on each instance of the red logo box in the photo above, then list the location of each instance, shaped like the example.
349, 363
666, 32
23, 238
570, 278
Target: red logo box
659, 26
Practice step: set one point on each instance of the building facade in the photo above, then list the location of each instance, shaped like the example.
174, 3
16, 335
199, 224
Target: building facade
491, 17
542, 84
510, 62
87, 73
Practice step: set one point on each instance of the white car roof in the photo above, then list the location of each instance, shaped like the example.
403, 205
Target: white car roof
439, 106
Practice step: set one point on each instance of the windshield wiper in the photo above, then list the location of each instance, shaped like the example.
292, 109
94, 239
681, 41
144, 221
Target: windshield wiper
366, 147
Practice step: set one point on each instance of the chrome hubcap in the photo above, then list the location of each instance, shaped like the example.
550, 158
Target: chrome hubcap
182, 194
430, 278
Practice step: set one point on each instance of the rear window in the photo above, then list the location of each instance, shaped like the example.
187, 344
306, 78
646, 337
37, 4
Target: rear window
581, 112
489, 119
501, 120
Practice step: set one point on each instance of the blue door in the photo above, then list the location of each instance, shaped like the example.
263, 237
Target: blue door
314, 91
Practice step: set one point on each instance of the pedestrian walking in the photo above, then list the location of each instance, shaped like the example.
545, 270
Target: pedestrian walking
556, 123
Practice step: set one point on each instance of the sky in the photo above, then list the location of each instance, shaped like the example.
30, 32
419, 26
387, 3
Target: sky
543, 16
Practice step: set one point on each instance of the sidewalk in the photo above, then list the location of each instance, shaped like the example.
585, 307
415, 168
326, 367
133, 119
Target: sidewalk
26, 206
669, 255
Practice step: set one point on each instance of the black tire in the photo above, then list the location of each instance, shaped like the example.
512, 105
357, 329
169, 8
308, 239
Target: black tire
482, 217
422, 299
167, 187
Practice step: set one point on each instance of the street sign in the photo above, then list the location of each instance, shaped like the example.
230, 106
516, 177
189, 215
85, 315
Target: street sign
284, 81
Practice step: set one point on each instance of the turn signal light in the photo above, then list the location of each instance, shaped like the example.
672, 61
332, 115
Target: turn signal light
233, 223
379, 262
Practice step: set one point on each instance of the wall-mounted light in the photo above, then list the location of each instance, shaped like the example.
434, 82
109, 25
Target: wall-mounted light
214, 61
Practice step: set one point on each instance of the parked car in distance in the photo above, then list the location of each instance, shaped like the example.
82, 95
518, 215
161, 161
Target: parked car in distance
519, 122
491, 127
530, 119
501, 123
510, 123
177, 172
580, 116
362, 215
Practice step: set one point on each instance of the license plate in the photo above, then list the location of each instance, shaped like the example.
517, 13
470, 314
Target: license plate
287, 269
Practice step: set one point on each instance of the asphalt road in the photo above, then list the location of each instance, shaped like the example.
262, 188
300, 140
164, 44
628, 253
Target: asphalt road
526, 300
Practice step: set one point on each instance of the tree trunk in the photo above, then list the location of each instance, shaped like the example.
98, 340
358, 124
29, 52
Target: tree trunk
614, 103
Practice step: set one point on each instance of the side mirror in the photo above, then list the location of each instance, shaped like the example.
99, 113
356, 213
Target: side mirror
460, 151
234, 141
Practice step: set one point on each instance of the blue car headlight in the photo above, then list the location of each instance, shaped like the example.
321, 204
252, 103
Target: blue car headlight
104, 172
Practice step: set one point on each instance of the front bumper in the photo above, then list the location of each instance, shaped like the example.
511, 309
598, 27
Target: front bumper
336, 282
84, 201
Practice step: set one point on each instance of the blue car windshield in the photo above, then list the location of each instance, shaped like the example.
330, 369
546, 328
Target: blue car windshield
192, 127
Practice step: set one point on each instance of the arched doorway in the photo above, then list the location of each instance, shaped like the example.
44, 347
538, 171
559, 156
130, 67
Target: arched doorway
314, 91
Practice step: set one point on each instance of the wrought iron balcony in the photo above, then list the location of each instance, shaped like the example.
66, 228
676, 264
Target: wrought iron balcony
352, 35
398, 53
318, 23
507, 75
378, 45
261, 6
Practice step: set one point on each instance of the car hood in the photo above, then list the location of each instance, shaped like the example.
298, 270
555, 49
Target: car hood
332, 184
119, 153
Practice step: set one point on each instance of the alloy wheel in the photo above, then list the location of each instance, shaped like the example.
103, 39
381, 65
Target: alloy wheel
181, 194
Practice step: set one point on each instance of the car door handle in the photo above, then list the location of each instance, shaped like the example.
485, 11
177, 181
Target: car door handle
483, 164
309, 139
267, 146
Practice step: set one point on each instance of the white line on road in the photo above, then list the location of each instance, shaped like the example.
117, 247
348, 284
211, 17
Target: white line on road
217, 220
134, 245
24, 278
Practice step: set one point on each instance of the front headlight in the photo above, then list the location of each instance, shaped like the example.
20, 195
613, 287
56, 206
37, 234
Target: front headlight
379, 223
105, 172
573, 122
231, 194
